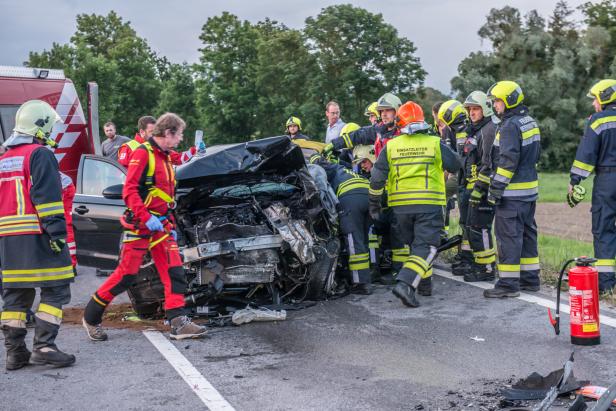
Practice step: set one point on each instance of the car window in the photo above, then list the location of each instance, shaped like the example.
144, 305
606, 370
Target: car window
7, 123
98, 175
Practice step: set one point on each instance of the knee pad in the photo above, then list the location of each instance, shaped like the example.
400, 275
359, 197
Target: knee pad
123, 284
178, 280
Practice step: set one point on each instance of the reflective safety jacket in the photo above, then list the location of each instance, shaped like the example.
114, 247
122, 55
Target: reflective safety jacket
597, 149
150, 183
31, 214
476, 154
515, 155
377, 134
31, 201
412, 166
127, 149
343, 180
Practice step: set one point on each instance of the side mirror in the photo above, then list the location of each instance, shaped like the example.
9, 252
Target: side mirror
113, 192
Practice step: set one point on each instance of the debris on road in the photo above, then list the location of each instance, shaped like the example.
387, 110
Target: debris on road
248, 314
593, 391
478, 339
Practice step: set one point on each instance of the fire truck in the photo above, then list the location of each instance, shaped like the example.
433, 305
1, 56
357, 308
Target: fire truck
76, 135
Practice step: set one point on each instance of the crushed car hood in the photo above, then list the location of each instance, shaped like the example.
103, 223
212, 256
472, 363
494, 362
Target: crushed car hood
277, 154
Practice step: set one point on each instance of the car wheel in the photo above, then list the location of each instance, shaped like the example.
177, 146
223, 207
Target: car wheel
323, 270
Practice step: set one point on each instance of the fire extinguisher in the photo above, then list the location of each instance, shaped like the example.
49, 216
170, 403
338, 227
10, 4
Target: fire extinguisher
583, 302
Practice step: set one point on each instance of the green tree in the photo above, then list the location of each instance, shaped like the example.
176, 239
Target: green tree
107, 50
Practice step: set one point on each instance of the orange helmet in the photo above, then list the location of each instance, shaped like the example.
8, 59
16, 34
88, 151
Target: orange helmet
409, 112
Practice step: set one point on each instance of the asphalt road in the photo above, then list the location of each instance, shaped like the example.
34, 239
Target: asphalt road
351, 353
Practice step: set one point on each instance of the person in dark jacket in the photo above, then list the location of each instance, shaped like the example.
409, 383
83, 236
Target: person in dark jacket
514, 190
597, 152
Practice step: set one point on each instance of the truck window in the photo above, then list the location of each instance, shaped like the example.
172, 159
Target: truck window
98, 175
7, 120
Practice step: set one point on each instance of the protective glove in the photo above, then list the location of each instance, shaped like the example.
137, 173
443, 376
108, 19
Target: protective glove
154, 224
576, 195
374, 207
328, 149
57, 245
174, 234
475, 198
492, 200
201, 147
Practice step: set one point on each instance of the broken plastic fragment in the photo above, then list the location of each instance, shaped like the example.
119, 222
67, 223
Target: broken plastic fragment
478, 339
254, 314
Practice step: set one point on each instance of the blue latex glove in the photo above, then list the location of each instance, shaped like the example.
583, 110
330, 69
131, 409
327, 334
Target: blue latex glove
174, 234
154, 224
201, 147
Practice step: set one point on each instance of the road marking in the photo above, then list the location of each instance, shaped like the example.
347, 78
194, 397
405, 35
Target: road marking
197, 382
544, 302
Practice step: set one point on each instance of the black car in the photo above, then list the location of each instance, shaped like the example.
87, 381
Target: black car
253, 227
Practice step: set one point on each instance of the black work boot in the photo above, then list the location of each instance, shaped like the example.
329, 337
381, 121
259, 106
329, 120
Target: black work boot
528, 287
425, 287
461, 269
406, 294
499, 292
387, 278
17, 354
45, 350
479, 272
362, 289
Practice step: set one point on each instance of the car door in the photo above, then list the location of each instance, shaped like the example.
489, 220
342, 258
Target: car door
96, 219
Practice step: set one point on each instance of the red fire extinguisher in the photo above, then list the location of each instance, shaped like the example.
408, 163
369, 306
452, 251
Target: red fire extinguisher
583, 302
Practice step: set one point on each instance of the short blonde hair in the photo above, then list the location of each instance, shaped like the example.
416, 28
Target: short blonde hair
168, 121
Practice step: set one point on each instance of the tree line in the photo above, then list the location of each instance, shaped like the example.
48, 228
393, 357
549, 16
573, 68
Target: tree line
252, 76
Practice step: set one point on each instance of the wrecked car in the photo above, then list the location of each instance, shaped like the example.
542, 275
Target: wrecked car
252, 227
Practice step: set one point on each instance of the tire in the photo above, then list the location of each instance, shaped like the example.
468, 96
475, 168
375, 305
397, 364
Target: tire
323, 270
147, 294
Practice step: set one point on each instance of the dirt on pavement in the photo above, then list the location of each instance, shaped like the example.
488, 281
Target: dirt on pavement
560, 220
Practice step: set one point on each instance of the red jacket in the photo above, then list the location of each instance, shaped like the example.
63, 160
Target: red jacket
68, 195
177, 159
135, 191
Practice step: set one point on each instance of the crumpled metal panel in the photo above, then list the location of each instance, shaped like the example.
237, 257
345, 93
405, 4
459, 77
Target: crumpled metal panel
293, 232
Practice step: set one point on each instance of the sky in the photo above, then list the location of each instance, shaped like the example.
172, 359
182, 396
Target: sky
443, 31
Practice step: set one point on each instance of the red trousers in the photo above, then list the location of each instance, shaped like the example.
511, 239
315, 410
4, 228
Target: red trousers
166, 255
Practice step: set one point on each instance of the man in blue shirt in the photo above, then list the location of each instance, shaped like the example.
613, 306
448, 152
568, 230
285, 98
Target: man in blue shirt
335, 124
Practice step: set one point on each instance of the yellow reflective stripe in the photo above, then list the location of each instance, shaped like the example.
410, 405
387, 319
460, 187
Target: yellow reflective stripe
487, 253
604, 262
505, 173
133, 144
523, 186
20, 228
374, 192
601, 121
509, 267
357, 257
483, 178
352, 184
20, 197
158, 241
485, 260
412, 265
423, 263
48, 209
530, 133
470, 185
37, 274
583, 166
45, 308
99, 301
157, 192
12, 315
529, 260
11, 220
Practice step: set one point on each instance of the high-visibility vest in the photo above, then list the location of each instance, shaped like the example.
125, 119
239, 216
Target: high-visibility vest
152, 190
18, 214
415, 171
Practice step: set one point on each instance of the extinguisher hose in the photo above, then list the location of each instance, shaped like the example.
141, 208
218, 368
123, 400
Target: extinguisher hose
556, 321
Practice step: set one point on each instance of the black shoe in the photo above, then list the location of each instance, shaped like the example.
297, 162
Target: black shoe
531, 288
17, 359
361, 289
461, 269
387, 279
498, 292
479, 273
425, 287
52, 356
406, 294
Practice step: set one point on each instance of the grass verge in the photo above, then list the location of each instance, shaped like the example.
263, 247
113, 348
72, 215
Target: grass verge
553, 187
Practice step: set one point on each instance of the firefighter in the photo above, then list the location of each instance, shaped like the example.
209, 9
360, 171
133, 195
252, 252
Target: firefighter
149, 195
372, 113
145, 127
68, 195
514, 189
597, 152
412, 167
293, 127
454, 117
33, 247
352, 192
477, 167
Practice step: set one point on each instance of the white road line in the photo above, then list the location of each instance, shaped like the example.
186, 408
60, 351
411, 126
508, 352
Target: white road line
197, 382
544, 302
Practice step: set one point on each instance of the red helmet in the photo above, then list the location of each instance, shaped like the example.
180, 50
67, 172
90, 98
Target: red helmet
409, 112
